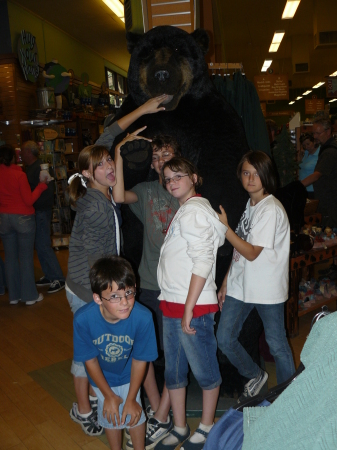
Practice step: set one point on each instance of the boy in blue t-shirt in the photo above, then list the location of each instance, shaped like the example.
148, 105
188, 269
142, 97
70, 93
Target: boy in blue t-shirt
114, 336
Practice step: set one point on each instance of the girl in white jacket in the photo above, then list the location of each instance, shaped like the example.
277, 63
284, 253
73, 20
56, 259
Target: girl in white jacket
186, 274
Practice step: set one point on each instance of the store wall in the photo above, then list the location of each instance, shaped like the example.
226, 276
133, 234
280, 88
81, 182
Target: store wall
53, 43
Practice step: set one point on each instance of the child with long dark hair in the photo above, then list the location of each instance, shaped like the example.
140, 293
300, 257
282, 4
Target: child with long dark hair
258, 275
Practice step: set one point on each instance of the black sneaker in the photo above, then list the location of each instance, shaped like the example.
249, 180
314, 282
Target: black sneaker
56, 286
254, 386
155, 432
89, 424
43, 281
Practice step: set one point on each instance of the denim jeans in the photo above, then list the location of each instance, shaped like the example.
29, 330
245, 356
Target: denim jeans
149, 298
2, 277
18, 233
197, 350
49, 263
75, 303
234, 313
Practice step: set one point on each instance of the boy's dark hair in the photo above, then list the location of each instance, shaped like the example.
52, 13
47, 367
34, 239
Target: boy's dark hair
306, 136
7, 154
264, 167
161, 141
111, 269
180, 164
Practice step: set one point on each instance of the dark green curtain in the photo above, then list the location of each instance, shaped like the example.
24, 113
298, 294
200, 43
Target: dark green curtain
242, 95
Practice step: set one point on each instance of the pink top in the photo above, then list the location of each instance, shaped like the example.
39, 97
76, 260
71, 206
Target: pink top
16, 196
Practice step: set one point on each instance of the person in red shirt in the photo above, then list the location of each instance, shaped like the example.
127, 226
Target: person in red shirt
17, 228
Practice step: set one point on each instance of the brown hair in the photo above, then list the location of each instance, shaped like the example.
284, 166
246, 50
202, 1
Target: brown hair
89, 156
264, 167
180, 164
161, 141
7, 154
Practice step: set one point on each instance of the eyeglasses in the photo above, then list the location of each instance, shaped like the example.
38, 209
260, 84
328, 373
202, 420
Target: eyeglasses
129, 295
165, 156
174, 179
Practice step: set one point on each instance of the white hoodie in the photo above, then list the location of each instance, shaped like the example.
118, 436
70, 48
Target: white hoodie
190, 246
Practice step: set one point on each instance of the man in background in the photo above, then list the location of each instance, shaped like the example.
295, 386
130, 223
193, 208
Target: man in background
324, 177
53, 276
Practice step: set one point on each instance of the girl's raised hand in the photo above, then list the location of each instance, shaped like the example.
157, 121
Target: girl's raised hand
131, 137
152, 105
223, 216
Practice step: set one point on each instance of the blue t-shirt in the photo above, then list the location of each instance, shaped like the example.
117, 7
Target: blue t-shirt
307, 166
114, 345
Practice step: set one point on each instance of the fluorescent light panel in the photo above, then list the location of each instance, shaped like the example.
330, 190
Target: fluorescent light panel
277, 39
306, 92
116, 7
333, 100
266, 65
334, 74
291, 103
290, 9
318, 85
299, 97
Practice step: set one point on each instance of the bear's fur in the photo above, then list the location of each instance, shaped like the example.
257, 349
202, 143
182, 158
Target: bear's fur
168, 60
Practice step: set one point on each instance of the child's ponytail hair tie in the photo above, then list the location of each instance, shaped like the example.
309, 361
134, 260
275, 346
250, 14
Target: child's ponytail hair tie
83, 182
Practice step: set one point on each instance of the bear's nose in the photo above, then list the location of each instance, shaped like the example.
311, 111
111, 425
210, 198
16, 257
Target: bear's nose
162, 75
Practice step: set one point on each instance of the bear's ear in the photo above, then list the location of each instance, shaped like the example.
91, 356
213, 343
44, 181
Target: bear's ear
202, 39
132, 40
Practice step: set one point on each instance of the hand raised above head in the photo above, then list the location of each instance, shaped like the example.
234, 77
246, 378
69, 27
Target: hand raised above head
152, 105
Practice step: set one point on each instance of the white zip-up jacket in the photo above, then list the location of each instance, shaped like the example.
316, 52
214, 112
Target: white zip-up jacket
190, 246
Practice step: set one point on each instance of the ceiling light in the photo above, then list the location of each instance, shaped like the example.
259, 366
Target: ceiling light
333, 100
299, 97
266, 65
116, 7
334, 74
275, 43
290, 9
318, 84
306, 92
291, 103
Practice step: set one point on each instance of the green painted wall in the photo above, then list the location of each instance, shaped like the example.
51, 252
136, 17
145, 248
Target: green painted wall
52, 43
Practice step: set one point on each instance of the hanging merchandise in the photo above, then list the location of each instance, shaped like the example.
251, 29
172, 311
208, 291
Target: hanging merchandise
241, 94
284, 155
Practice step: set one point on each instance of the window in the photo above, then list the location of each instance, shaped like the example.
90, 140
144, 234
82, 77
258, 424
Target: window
115, 82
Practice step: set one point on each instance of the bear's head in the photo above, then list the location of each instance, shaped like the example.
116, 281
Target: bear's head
167, 60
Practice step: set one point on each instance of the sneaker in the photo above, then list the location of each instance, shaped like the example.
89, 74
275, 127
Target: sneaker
56, 286
149, 413
188, 445
93, 403
155, 432
89, 424
14, 302
177, 440
32, 302
43, 281
254, 386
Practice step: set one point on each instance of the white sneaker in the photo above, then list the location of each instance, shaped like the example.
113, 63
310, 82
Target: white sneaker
254, 386
14, 302
32, 302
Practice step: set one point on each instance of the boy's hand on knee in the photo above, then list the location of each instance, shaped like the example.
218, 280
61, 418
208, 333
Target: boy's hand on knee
111, 409
133, 408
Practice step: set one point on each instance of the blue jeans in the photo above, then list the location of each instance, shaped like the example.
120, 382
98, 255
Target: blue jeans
49, 263
18, 233
75, 303
2, 277
234, 313
197, 350
149, 298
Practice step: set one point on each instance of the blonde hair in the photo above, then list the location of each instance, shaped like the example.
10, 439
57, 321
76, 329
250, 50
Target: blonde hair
89, 156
